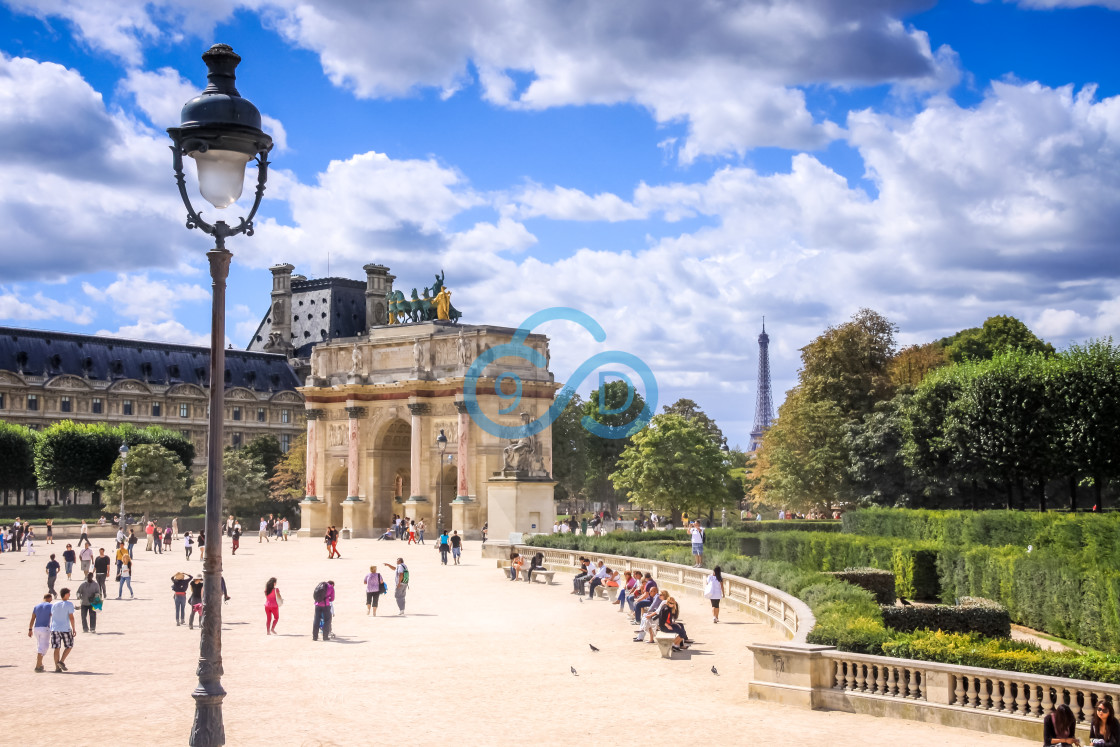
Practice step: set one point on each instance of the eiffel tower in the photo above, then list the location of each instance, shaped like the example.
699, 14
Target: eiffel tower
764, 403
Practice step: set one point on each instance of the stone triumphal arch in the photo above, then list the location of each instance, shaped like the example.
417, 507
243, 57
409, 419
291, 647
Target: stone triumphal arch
375, 407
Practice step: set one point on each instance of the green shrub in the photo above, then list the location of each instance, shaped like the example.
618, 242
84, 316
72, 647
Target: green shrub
970, 649
879, 582
973, 615
914, 564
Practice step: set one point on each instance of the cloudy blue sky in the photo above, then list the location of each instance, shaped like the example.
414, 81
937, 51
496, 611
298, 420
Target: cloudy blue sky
676, 169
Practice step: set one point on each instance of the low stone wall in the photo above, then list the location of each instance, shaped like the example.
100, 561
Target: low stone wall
988, 700
779, 610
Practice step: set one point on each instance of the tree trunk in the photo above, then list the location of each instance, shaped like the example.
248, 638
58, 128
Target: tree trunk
973, 494
1098, 492
1073, 494
1041, 494
1010, 495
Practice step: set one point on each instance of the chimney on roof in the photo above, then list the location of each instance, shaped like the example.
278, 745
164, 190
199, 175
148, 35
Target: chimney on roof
280, 334
379, 284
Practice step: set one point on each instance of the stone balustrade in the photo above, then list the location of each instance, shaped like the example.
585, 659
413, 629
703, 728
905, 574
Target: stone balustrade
990, 700
779, 610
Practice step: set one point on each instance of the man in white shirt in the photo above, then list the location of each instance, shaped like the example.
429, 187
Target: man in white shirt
62, 629
697, 543
262, 535
597, 579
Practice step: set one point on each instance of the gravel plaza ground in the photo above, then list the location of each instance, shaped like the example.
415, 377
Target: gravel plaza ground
476, 660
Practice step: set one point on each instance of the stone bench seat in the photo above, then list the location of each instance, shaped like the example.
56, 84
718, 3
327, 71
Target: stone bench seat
665, 643
537, 574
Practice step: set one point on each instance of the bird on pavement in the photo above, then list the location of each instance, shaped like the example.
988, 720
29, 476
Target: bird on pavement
903, 602
574, 671
714, 671
593, 647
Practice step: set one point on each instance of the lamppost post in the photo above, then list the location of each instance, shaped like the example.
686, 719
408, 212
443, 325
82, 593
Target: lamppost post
441, 442
222, 132
123, 451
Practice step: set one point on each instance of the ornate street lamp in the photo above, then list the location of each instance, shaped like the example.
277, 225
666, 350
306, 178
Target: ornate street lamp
222, 132
441, 442
123, 451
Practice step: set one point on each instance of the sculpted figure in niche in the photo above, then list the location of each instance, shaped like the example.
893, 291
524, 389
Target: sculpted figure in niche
417, 353
355, 360
463, 350
518, 456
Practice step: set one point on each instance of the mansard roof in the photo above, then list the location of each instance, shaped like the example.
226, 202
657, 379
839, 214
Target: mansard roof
50, 354
323, 309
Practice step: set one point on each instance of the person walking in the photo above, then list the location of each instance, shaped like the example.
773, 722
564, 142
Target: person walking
84, 536
167, 537
272, 602
53, 567
444, 546
50, 531
456, 545
101, 568
39, 629
157, 540
400, 582
697, 543
62, 629
411, 531
323, 596
235, 535
69, 557
125, 577
174, 528
420, 531
286, 528
85, 556
333, 533
713, 590
188, 544
262, 534
132, 540
29, 540
195, 601
89, 597
201, 545
374, 586
180, 583
149, 530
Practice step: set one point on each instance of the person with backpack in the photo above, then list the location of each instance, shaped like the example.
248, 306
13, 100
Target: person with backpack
697, 543
323, 596
375, 587
400, 579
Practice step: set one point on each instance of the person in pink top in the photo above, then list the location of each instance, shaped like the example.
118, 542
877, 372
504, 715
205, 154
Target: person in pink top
272, 602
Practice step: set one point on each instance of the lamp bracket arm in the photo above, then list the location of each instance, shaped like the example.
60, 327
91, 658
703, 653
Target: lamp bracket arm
194, 220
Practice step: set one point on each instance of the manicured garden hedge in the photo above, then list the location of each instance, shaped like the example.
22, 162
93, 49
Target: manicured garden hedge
1041, 589
880, 583
973, 615
914, 564
1097, 535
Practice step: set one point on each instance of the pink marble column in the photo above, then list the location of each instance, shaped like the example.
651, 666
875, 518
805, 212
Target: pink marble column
352, 466
417, 410
313, 417
463, 490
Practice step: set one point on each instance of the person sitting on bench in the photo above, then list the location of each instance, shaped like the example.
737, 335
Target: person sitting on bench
666, 623
597, 579
650, 618
581, 577
515, 564
644, 597
536, 564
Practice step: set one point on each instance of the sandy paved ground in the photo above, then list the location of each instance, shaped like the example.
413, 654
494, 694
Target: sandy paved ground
477, 660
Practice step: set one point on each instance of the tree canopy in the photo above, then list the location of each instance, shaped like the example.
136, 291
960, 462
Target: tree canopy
17, 457
570, 450
154, 482
288, 483
998, 334
245, 488
848, 365
609, 406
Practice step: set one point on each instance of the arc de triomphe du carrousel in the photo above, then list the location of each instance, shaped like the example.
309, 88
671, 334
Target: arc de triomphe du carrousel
377, 404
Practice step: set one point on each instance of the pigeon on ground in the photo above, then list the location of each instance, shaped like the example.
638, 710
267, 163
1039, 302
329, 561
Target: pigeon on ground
714, 671
574, 671
581, 600
593, 647
903, 602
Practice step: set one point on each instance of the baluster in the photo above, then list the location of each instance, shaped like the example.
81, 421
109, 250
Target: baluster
880, 680
903, 682
861, 677
837, 675
849, 675
1083, 707
988, 693
1032, 700
919, 684
892, 684
969, 691
1006, 702
1021, 699
958, 689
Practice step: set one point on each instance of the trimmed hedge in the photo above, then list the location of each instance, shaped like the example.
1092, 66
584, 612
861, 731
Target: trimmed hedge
969, 649
879, 583
980, 616
1042, 590
914, 564
1097, 535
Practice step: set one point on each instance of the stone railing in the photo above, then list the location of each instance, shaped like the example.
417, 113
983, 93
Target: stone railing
989, 700
781, 611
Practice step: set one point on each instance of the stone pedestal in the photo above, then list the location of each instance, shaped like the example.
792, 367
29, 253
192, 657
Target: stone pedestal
519, 504
417, 507
356, 516
464, 518
314, 517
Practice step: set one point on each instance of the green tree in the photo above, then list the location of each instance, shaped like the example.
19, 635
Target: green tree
878, 472
999, 334
912, 364
245, 488
804, 461
609, 407
674, 464
1085, 391
17, 457
849, 365
933, 448
288, 483
689, 410
569, 451
69, 456
155, 481
173, 441
267, 453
